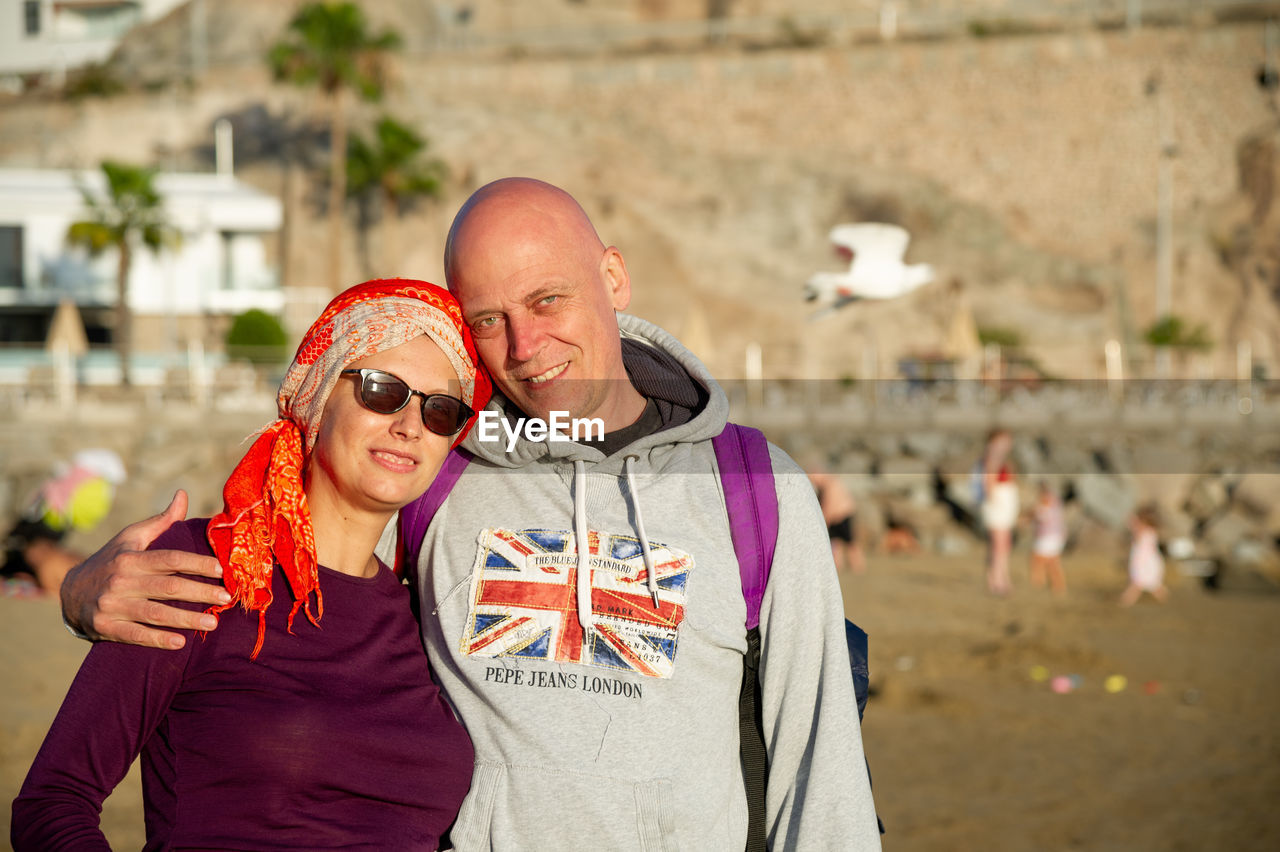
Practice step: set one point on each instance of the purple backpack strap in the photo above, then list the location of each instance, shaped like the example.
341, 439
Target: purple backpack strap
416, 517
746, 474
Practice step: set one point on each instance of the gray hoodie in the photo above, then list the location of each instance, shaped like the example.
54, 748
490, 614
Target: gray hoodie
604, 721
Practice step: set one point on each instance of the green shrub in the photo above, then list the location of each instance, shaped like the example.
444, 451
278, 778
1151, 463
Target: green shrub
998, 27
792, 34
258, 337
97, 80
1176, 333
1007, 338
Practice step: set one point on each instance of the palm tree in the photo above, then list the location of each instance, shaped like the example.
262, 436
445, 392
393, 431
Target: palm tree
330, 46
391, 169
131, 211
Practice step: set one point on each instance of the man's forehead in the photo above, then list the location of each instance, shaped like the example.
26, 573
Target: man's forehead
520, 281
489, 268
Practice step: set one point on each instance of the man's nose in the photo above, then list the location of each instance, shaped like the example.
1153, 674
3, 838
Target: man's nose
523, 338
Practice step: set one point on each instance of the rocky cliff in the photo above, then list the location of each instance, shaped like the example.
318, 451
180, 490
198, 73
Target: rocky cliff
1026, 168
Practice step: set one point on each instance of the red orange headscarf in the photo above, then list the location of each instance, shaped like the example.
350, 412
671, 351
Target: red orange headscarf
265, 519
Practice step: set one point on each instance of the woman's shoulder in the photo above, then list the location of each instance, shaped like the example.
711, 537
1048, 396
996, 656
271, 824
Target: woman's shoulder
188, 535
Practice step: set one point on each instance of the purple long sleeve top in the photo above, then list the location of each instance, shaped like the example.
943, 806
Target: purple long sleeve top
336, 737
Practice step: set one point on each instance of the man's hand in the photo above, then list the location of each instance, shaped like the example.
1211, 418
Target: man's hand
115, 593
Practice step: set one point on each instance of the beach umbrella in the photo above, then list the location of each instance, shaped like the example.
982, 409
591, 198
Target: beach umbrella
66, 331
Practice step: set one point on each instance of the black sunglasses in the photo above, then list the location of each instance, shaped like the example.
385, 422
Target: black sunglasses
385, 393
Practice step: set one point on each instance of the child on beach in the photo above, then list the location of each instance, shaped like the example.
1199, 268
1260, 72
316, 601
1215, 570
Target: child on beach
75, 498
1050, 537
1146, 565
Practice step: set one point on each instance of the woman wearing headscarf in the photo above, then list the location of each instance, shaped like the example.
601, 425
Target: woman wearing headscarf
309, 719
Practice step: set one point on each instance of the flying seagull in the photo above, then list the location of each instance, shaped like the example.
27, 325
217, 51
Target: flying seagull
876, 271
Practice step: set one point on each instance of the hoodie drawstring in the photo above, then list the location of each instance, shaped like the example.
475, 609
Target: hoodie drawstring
628, 466
580, 533
584, 545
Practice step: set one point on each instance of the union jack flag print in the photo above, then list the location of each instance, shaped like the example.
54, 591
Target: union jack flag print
524, 601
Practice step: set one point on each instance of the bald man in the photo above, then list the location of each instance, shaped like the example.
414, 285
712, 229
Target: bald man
600, 685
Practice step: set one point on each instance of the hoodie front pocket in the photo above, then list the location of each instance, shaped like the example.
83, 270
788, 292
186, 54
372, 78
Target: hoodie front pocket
471, 829
655, 817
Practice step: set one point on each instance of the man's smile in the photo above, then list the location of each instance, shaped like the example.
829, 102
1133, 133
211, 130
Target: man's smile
549, 374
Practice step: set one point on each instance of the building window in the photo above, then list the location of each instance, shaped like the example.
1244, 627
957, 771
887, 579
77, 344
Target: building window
10, 255
31, 16
106, 20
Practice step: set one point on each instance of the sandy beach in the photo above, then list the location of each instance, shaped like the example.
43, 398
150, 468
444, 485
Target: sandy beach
968, 749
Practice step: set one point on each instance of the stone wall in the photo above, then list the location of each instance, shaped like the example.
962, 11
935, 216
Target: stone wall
1207, 457
1025, 167
1213, 472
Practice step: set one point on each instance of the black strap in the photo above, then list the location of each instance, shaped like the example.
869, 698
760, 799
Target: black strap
755, 759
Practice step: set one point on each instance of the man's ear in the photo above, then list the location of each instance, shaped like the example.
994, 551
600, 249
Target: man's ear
613, 269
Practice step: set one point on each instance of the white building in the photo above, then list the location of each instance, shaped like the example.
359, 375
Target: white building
40, 37
223, 265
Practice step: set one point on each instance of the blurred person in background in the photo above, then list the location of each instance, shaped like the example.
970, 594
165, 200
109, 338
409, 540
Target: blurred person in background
1049, 538
839, 510
75, 499
1146, 564
999, 509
